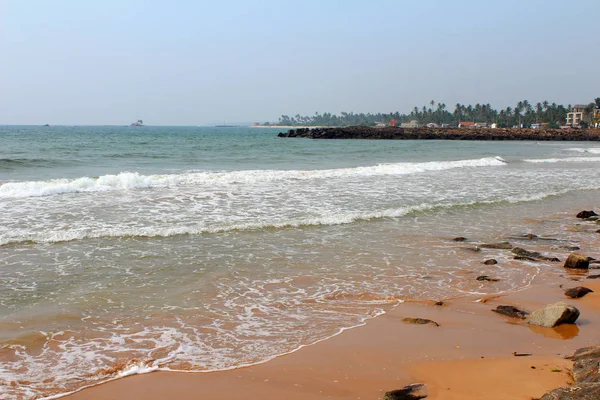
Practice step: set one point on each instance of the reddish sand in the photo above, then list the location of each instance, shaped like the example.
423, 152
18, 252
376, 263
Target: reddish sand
470, 356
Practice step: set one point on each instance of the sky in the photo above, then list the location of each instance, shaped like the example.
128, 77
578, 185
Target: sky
199, 62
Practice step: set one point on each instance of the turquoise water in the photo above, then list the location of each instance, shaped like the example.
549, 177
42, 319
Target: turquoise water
190, 248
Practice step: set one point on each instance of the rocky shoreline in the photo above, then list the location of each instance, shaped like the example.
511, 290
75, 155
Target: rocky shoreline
424, 133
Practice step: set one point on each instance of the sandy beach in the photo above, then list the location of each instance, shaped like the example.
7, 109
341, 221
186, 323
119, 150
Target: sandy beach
468, 356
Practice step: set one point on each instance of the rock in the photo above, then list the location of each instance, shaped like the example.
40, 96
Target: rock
567, 247
554, 314
590, 391
586, 214
419, 321
585, 366
410, 392
474, 249
577, 292
586, 376
511, 311
531, 255
491, 261
459, 239
577, 261
593, 277
439, 303
524, 258
500, 245
529, 236
487, 278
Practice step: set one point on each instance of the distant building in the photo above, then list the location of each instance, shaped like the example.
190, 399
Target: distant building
466, 124
576, 116
393, 122
380, 125
411, 124
494, 125
432, 125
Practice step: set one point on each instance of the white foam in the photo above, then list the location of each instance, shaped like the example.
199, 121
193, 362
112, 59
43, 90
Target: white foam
592, 150
133, 180
566, 160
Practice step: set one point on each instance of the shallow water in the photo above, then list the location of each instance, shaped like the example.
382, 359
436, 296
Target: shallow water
131, 249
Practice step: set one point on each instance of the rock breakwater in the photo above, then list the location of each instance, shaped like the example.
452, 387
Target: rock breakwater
424, 133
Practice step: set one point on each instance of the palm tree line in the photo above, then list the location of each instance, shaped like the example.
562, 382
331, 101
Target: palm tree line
523, 114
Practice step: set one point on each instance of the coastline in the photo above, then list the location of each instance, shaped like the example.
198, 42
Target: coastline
385, 354
425, 133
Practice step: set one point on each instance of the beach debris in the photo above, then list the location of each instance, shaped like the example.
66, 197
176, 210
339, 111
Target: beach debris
529, 236
487, 278
521, 354
419, 321
511, 311
414, 391
499, 245
439, 303
459, 239
491, 261
586, 375
554, 314
577, 292
586, 214
577, 261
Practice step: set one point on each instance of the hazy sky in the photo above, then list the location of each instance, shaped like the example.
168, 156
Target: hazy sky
200, 62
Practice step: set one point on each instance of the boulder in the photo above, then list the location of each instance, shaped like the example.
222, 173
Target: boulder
419, 321
586, 376
459, 239
577, 292
577, 261
491, 261
589, 391
586, 214
487, 278
499, 245
511, 311
415, 391
554, 314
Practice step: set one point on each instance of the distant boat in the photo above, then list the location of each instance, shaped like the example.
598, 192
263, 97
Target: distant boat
46, 125
139, 122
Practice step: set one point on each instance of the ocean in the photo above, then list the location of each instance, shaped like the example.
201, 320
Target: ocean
131, 249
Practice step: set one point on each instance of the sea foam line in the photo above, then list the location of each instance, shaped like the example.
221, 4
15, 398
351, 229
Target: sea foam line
566, 159
134, 180
329, 220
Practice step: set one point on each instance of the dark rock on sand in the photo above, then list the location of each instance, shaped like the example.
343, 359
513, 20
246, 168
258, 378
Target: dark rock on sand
459, 239
586, 214
415, 391
500, 245
554, 314
487, 278
525, 258
419, 321
531, 255
577, 261
511, 311
491, 261
586, 376
593, 277
577, 292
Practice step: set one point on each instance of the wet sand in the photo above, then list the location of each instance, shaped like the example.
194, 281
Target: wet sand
469, 356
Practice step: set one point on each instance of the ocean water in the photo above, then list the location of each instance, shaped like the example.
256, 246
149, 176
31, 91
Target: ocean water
126, 250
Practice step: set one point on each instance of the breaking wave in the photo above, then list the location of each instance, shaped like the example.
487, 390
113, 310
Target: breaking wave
134, 180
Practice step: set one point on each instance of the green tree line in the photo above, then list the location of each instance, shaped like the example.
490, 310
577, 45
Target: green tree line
523, 113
